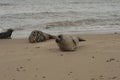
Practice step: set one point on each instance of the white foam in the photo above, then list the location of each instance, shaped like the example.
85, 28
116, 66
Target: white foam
2, 30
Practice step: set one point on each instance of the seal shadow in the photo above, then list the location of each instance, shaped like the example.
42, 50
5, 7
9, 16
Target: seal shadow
57, 50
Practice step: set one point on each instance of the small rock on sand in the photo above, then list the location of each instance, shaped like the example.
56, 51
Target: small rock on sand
61, 55
93, 79
93, 57
37, 47
43, 76
114, 77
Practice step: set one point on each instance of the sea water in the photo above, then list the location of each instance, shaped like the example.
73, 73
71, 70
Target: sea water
60, 16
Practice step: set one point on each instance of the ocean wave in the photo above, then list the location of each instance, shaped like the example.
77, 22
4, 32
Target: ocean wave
38, 15
93, 23
83, 22
5, 4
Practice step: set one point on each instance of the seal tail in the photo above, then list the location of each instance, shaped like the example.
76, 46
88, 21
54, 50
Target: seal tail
80, 39
52, 36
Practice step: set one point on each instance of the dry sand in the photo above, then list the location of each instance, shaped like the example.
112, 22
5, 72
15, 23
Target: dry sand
96, 59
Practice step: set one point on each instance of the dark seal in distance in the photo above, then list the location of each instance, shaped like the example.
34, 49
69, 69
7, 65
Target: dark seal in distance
7, 34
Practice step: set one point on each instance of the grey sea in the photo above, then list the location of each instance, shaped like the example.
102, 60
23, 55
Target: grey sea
60, 16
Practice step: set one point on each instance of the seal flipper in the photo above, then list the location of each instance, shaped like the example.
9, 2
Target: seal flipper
74, 42
80, 39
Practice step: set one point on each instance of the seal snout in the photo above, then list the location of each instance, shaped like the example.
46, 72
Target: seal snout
10, 30
58, 40
7, 34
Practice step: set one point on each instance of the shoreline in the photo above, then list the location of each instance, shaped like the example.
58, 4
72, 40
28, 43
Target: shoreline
19, 34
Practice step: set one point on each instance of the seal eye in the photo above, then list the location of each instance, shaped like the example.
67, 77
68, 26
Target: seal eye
60, 36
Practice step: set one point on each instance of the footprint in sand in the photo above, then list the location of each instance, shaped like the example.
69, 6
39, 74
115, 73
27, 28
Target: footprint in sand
110, 60
21, 68
70, 73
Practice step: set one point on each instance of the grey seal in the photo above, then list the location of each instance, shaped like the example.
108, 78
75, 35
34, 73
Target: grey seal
67, 42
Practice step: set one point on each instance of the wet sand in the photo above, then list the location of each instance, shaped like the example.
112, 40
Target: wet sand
96, 59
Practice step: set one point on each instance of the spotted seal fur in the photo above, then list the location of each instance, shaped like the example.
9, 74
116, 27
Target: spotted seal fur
39, 36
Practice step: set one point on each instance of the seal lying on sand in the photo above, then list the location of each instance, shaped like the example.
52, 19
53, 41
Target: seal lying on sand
7, 34
39, 36
68, 43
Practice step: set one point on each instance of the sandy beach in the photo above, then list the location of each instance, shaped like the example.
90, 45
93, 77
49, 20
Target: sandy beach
96, 21
96, 59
